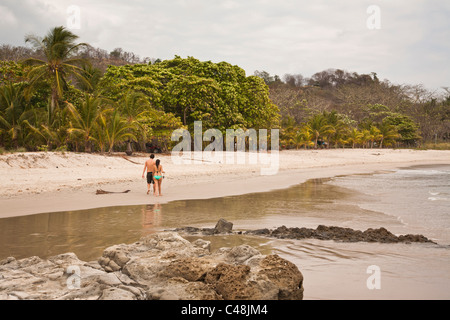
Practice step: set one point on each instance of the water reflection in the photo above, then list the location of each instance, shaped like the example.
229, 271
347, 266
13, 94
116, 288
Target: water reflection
151, 217
88, 232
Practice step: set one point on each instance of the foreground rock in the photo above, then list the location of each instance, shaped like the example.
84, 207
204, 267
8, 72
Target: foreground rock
161, 266
340, 234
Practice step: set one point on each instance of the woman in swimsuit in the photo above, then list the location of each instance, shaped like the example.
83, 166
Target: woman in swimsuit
157, 177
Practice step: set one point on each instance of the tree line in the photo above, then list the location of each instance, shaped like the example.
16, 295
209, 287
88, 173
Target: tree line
64, 95
336, 108
57, 96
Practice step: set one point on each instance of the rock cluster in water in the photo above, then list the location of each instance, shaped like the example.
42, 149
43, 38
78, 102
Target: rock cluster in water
161, 266
340, 234
321, 232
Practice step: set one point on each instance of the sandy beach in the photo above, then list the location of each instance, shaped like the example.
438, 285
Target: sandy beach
34, 183
59, 184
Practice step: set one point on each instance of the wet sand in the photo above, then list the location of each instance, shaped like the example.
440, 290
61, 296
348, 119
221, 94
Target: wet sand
49, 182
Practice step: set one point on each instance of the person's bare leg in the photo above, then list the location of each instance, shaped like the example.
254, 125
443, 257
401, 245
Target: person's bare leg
154, 186
159, 187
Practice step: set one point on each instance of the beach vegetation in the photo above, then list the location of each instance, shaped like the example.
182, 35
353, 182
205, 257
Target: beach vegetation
341, 105
61, 94
83, 123
434, 146
117, 129
60, 62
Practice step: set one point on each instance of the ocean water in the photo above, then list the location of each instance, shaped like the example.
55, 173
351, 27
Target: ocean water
410, 200
418, 197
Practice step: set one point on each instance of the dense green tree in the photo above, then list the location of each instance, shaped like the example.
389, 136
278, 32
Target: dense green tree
11, 71
193, 98
218, 94
160, 125
406, 128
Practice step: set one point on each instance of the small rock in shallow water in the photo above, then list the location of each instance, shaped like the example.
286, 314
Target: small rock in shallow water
223, 226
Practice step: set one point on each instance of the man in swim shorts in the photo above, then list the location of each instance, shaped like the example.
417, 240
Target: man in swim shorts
149, 165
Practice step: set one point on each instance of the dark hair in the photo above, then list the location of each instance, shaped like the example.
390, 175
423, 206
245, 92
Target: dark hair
152, 156
157, 164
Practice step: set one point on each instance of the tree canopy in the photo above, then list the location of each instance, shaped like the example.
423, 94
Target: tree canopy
219, 94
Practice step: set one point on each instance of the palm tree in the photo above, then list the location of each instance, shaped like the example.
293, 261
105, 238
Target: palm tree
85, 119
304, 137
92, 75
132, 106
354, 137
102, 125
337, 126
118, 129
388, 133
319, 127
288, 131
43, 128
59, 49
374, 135
12, 110
342, 138
365, 137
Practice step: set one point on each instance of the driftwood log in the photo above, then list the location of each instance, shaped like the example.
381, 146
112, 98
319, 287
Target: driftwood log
100, 191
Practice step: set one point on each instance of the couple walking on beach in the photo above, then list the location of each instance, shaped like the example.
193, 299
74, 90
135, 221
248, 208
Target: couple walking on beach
154, 174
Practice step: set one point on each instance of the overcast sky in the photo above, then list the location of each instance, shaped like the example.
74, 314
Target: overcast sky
406, 42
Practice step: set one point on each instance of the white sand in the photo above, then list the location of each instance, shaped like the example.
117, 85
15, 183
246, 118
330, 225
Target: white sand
47, 182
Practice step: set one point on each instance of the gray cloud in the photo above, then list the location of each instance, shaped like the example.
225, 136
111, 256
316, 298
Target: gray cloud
286, 36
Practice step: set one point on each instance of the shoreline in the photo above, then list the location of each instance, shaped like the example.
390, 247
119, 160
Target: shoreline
54, 187
332, 269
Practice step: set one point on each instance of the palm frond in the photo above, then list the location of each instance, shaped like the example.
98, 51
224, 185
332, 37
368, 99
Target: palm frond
34, 62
